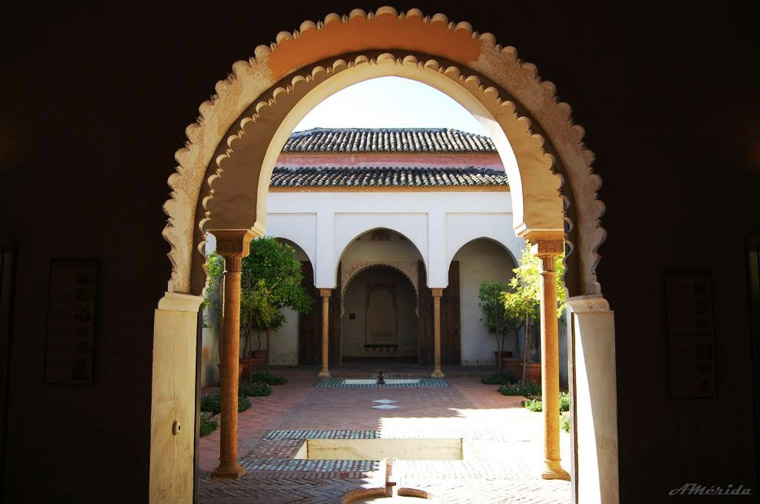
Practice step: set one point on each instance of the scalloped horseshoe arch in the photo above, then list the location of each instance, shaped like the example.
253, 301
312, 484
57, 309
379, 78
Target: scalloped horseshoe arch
233, 144
223, 174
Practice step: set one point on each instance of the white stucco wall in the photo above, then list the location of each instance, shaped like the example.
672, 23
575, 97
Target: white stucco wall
284, 342
437, 223
480, 260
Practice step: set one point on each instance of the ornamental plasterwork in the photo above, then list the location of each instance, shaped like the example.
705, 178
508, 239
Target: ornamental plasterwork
410, 269
240, 95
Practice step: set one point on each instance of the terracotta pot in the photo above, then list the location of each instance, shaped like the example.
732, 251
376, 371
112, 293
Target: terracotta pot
260, 356
246, 368
504, 354
533, 372
513, 365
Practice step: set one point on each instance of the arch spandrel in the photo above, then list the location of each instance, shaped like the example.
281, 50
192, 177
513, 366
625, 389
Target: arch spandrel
501, 66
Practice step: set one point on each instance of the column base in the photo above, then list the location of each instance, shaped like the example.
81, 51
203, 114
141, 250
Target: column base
438, 374
553, 471
324, 374
228, 470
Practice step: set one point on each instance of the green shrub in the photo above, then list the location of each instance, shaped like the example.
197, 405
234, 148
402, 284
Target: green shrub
212, 403
243, 403
207, 426
255, 389
564, 423
270, 379
530, 389
504, 378
564, 401
534, 404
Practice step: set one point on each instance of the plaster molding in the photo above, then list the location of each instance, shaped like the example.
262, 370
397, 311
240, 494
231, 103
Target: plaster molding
412, 32
410, 269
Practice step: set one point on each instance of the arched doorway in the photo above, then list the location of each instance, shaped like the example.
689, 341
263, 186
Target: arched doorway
379, 284
234, 148
379, 323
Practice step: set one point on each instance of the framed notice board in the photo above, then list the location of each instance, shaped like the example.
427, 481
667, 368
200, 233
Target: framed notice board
691, 333
70, 340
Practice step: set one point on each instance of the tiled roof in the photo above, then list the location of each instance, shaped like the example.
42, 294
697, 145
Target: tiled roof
385, 177
431, 140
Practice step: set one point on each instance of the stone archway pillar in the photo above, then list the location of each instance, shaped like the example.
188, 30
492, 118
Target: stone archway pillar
325, 293
233, 245
437, 293
594, 399
548, 251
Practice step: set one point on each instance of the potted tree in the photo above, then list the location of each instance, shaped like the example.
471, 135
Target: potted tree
523, 300
499, 321
271, 281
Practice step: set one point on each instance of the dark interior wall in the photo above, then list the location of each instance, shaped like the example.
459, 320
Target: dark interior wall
95, 101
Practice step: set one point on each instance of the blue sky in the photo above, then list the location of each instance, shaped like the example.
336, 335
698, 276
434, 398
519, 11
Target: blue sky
390, 102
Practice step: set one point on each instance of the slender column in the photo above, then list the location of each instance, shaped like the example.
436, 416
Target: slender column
437, 293
325, 293
547, 251
233, 245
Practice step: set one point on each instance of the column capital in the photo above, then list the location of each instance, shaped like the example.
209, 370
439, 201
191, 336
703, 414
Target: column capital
436, 291
547, 251
325, 293
234, 242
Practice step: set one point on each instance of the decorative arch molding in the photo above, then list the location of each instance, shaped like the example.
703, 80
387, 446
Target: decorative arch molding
409, 269
259, 90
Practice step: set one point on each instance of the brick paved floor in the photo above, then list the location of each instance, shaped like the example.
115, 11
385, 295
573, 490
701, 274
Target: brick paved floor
503, 445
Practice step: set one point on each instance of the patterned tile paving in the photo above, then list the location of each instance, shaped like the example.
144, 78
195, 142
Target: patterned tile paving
389, 383
320, 434
304, 465
502, 446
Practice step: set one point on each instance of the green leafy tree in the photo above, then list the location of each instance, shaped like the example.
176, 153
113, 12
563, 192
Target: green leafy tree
499, 321
522, 299
212, 300
271, 281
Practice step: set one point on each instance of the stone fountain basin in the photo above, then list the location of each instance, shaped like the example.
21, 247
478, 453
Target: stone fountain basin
378, 449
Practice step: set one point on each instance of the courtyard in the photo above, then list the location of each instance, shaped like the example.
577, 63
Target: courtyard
502, 442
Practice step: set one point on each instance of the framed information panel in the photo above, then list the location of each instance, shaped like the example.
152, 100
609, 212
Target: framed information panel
70, 343
691, 333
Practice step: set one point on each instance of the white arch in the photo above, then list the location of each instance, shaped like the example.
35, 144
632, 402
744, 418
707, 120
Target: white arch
297, 236
458, 234
515, 257
370, 222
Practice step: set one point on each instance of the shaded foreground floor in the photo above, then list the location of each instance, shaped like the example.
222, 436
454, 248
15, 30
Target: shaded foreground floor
504, 442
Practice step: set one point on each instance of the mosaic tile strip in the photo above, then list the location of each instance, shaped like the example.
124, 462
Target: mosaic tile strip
305, 465
320, 434
389, 383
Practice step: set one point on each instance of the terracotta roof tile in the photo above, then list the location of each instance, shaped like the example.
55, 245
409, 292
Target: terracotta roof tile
289, 176
440, 140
